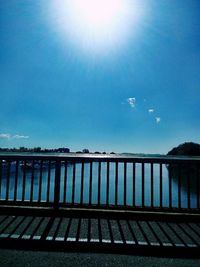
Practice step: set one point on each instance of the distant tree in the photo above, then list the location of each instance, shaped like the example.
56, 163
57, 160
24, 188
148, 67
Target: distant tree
63, 150
85, 150
23, 149
186, 149
37, 149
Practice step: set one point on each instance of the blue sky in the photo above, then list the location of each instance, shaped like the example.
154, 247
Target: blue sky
137, 90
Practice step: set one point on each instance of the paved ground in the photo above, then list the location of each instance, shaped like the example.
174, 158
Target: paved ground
34, 258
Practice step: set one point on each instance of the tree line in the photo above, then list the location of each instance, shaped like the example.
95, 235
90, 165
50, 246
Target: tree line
36, 150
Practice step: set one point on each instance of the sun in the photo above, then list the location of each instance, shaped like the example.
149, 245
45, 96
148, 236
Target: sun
96, 26
97, 15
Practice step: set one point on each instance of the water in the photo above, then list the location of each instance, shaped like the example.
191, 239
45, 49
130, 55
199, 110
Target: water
40, 187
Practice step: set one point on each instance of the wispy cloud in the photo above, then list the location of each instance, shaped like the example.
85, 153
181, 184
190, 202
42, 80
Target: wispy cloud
158, 119
151, 110
143, 109
16, 136
131, 101
4, 135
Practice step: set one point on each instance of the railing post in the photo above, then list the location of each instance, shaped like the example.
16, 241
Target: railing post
143, 185
197, 181
134, 186
1, 167
90, 188
125, 178
8, 180
108, 183
99, 183
57, 185
116, 183
152, 185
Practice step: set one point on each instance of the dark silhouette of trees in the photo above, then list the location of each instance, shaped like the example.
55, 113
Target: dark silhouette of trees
36, 150
85, 150
186, 149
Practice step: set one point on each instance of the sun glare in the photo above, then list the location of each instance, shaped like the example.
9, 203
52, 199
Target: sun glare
96, 26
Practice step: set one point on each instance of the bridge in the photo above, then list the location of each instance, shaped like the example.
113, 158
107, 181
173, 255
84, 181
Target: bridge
108, 203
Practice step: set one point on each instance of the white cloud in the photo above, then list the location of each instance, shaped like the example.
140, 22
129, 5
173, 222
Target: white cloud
131, 101
158, 119
17, 136
5, 135
151, 110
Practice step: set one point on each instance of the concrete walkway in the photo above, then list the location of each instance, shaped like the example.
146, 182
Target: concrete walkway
36, 258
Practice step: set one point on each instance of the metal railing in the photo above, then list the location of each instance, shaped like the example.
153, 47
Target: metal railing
103, 181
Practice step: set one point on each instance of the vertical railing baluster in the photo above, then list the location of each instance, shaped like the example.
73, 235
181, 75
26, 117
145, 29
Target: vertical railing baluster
24, 180
143, 184
198, 184
57, 184
125, 178
82, 180
40, 182
65, 183
188, 187
90, 185
134, 188
170, 185
8, 180
32, 180
108, 183
116, 183
99, 183
179, 186
15, 170
1, 170
152, 185
16, 180
48, 181
161, 186
73, 182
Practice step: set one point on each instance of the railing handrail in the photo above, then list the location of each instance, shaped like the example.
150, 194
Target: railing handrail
99, 157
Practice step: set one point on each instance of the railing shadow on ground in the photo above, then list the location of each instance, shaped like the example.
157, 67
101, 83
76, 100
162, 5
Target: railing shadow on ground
107, 235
